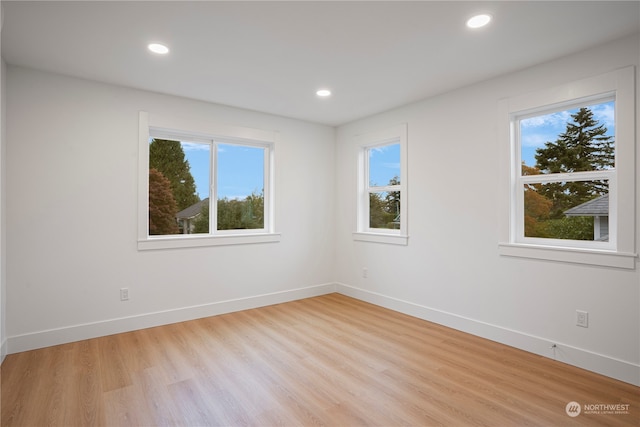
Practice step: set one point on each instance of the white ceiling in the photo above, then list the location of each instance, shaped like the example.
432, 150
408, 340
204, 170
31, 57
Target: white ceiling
272, 56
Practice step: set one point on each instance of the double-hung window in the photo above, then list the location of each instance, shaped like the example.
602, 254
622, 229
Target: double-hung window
382, 188
570, 158
204, 187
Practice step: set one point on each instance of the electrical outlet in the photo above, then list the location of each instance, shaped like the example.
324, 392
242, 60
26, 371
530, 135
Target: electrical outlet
365, 273
124, 294
582, 318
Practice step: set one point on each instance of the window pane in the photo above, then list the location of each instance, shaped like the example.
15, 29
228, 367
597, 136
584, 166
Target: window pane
577, 210
574, 140
240, 183
384, 165
384, 210
195, 219
174, 195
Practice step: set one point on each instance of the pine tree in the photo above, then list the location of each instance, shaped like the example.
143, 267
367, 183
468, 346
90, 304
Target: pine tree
584, 146
168, 158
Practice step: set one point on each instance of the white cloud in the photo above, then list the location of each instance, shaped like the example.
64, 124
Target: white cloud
535, 131
553, 120
375, 150
605, 114
194, 146
537, 139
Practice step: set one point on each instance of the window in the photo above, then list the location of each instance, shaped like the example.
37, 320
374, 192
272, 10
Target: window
570, 162
382, 195
567, 170
204, 188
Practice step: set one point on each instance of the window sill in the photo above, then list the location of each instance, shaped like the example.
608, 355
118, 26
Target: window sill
174, 242
571, 255
391, 239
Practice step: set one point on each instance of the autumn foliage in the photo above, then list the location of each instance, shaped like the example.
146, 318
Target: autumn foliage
162, 205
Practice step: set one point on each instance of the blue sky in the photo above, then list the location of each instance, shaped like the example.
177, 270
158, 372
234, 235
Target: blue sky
537, 130
240, 169
384, 164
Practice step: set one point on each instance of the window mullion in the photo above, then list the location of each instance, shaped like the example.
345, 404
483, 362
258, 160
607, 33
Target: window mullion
266, 190
386, 188
213, 198
572, 176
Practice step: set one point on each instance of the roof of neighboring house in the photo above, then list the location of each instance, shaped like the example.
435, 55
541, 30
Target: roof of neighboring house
193, 210
596, 207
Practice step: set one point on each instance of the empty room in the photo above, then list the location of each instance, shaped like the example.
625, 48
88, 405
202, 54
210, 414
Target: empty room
319, 213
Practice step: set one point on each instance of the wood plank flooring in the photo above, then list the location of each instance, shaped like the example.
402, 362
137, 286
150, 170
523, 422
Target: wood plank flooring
324, 361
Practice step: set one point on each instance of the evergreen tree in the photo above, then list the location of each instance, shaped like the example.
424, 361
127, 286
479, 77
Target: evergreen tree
584, 146
168, 158
162, 205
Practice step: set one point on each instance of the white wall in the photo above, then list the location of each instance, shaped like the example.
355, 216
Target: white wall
71, 169
72, 148
3, 270
451, 271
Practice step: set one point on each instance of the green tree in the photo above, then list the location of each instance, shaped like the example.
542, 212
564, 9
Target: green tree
584, 146
201, 223
392, 200
254, 210
384, 210
379, 216
168, 158
234, 214
162, 205
574, 228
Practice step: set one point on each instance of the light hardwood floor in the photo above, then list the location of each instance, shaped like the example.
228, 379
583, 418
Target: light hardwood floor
329, 360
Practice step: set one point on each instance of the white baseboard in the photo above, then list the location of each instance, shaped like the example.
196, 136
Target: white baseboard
601, 364
74, 333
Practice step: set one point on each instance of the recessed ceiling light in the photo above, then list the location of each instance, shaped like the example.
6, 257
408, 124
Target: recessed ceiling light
323, 93
158, 48
478, 21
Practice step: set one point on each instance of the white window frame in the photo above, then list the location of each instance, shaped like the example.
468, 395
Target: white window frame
394, 135
212, 134
620, 250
